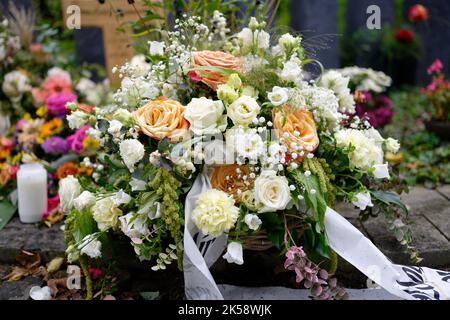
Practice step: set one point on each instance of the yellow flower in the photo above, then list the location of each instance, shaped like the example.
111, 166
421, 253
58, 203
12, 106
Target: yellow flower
48, 129
42, 111
91, 144
16, 159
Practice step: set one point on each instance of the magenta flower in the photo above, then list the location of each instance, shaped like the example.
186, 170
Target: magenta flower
435, 67
75, 141
56, 103
55, 146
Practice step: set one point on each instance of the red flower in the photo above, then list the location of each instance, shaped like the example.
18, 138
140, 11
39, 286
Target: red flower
404, 35
417, 13
95, 273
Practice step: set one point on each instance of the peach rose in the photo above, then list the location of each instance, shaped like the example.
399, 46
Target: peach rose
214, 59
297, 128
162, 118
227, 179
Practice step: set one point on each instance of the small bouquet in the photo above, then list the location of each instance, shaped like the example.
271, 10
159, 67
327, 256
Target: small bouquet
367, 87
438, 92
224, 136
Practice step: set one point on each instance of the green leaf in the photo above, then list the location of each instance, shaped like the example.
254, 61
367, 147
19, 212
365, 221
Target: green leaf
7, 211
150, 295
389, 198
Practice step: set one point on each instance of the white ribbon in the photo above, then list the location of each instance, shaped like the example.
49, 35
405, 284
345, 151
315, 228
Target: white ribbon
346, 240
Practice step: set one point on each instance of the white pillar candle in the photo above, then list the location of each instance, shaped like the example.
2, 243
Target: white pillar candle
32, 192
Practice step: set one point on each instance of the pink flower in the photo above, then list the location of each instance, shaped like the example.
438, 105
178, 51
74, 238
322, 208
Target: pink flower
194, 76
52, 85
435, 67
75, 141
52, 204
56, 103
95, 273
418, 13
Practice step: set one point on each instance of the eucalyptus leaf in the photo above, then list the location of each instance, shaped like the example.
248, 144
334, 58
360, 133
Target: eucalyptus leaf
150, 295
389, 198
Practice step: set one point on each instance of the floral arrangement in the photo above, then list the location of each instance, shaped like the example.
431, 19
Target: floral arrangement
276, 145
46, 137
367, 86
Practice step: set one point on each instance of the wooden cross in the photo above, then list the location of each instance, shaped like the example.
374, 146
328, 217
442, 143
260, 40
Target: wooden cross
117, 45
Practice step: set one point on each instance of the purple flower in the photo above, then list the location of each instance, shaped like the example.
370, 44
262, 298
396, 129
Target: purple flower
55, 146
56, 103
75, 141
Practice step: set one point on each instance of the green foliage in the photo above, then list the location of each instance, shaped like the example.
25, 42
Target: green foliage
7, 211
150, 295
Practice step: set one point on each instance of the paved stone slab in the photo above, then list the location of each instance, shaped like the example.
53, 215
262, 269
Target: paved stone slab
421, 200
17, 290
445, 191
49, 242
433, 246
279, 293
441, 220
347, 210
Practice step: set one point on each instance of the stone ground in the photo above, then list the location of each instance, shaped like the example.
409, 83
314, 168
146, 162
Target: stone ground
429, 211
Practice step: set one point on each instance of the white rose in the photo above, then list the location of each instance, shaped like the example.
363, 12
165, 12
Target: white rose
271, 191
362, 200
121, 197
15, 84
137, 185
114, 128
205, 116
381, 171
252, 221
106, 213
278, 96
243, 110
392, 145
134, 227
85, 200
69, 190
77, 119
131, 151
156, 48
90, 247
234, 253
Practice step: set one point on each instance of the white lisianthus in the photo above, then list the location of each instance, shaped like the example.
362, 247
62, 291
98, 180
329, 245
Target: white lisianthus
250, 91
85, 200
133, 226
252, 221
263, 39
137, 185
69, 190
367, 152
381, 171
271, 191
243, 110
90, 247
121, 197
291, 72
362, 200
278, 96
77, 119
288, 41
227, 93
245, 37
15, 84
156, 48
215, 212
248, 39
106, 213
131, 151
248, 199
114, 128
392, 145
205, 116
123, 115
234, 253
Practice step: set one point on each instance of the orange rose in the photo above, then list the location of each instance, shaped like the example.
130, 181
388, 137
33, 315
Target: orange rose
297, 128
215, 59
162, 118
227, 179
